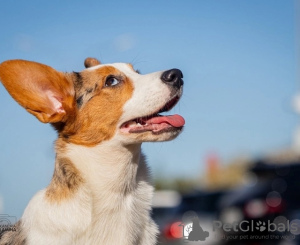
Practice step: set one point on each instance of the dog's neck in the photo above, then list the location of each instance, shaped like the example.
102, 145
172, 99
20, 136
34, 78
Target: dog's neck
107, 167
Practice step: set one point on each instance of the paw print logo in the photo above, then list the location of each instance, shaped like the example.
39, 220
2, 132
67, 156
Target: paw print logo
261, 226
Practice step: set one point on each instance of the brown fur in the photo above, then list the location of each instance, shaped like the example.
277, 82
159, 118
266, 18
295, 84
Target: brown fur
89, 62
27, 83
96, 105
65, 182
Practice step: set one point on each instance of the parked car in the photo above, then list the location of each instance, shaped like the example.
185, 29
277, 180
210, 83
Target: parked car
201, 203
259, 208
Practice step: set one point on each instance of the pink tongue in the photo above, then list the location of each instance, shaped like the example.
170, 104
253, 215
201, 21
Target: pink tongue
175, 120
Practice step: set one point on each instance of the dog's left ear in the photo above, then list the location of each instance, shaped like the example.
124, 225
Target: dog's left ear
40, 89
90, 62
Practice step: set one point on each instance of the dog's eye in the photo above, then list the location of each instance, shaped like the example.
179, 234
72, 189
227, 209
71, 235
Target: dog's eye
111, 81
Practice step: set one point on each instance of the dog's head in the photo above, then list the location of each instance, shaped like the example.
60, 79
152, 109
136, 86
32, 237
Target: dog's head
99, 103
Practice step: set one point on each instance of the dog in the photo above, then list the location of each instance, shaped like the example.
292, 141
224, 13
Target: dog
101, 190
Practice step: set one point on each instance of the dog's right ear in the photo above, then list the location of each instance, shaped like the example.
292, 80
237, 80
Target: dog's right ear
40, 89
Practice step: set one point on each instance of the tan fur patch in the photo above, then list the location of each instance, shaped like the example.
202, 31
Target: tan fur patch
98, 115
131, 66
65, 182
89, 62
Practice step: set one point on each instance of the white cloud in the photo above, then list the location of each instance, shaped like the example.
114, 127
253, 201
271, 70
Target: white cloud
124, 42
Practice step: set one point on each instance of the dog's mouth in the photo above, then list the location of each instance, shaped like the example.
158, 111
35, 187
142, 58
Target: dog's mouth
155, 122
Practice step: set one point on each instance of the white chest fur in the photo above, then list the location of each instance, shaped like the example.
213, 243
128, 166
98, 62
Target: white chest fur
111, 207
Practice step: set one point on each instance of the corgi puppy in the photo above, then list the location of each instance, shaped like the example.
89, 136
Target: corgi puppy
100, 192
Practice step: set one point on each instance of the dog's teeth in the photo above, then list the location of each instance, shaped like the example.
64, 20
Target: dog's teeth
130, 124
135, 123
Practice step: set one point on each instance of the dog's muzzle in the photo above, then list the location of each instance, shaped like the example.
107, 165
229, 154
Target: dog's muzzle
173, 78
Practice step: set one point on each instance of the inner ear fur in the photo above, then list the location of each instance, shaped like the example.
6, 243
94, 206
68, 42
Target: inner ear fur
40, 89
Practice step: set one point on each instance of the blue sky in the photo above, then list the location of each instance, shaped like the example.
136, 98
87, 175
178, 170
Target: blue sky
238, 59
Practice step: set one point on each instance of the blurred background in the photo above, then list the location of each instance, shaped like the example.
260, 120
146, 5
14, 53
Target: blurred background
238, 157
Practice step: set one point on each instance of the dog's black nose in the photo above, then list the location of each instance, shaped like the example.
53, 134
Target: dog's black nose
173, 77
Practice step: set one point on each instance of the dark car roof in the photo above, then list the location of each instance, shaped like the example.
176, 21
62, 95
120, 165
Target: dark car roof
200, 201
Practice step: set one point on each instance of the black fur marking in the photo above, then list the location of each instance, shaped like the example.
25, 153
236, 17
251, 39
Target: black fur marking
63, 170
61, 175
79, 101
89, 90
65, 136
79, 80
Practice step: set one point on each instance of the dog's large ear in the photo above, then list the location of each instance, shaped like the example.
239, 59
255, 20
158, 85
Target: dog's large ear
41, 90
